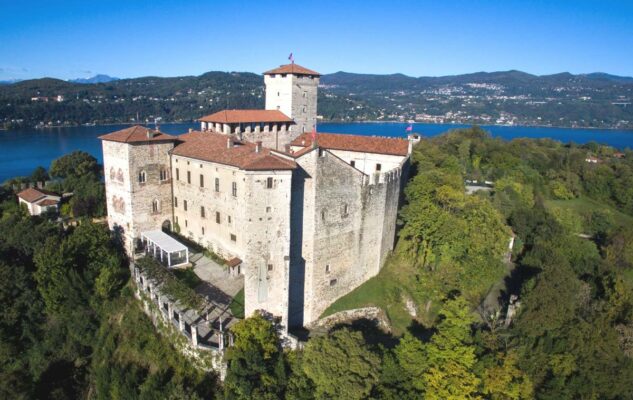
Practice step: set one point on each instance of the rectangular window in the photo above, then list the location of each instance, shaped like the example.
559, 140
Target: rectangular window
217, 184
233, 238
327, 268
229, 219
163, 175
269, 183
202, 214
175, 202
184, 204
270, 267
203, 230
189, 177
234, 189
177, 174
333, 282
217, 217
352, 163
201, 180
186, 223
378, 167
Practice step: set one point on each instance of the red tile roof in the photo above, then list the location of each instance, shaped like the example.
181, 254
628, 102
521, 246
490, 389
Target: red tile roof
209, 146
358, 143
31, 195
137, 134
246, 116
295, 69
48, 202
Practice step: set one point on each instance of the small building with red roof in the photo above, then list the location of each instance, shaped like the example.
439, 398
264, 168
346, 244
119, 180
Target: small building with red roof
38, 201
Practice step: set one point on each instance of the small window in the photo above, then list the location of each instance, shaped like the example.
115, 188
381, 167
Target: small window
269, 183
323, 215
267, 209
234, 189
201, 180
305, 109
186, 223
217, 217
233, 238
189, 177
229, 220
217, 184
155, 206
352, 163
175, 202
270, 267
176, 218
378, 167
327, 268
184, 204
202, 213
163, 175
333, 282
177, 174
203, 230
305, 94
141, 177
344, 211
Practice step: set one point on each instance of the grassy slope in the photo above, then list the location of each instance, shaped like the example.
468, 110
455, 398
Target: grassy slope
584, 206
385, 291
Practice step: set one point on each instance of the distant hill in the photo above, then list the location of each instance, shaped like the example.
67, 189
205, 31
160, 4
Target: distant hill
506, 97
9, 82
99, 78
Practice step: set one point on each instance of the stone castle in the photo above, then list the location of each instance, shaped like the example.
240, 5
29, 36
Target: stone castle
305, 217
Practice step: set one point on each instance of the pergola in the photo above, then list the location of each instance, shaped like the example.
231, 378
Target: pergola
165, 248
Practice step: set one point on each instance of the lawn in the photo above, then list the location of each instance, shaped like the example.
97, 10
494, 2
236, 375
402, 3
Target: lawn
584, 207
187, 276
237, 305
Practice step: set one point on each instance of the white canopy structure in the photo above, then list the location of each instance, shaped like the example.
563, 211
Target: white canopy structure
165, 248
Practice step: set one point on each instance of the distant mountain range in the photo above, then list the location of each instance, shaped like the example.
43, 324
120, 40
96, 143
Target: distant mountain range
507, 97
99, 78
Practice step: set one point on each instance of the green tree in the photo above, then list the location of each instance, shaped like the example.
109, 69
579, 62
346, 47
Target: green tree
341, 366
256, 364
450, 356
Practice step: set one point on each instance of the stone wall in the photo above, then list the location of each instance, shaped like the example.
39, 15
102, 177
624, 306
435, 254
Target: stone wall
254, 225
348, 228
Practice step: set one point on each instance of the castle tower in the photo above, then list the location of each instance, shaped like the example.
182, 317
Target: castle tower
292, 89
137, 181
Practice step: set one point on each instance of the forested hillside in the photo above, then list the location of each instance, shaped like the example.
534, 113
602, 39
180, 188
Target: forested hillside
509, 97
70, 327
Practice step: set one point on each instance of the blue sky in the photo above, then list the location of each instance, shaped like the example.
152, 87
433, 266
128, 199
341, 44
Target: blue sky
70, 39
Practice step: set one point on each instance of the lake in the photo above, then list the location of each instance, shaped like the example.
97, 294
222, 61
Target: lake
23, 150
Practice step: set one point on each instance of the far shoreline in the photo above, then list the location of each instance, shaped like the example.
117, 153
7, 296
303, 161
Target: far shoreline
334, 122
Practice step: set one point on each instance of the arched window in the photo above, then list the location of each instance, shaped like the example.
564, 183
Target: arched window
112, 173
119, 175
142, 177
155, 206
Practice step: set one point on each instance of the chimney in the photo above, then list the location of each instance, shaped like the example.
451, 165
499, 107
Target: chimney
150, 134
287, 148
190, 130
258, 146
229, 143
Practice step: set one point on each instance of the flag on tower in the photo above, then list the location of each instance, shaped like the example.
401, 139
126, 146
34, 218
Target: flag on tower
409, 128
291, 58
